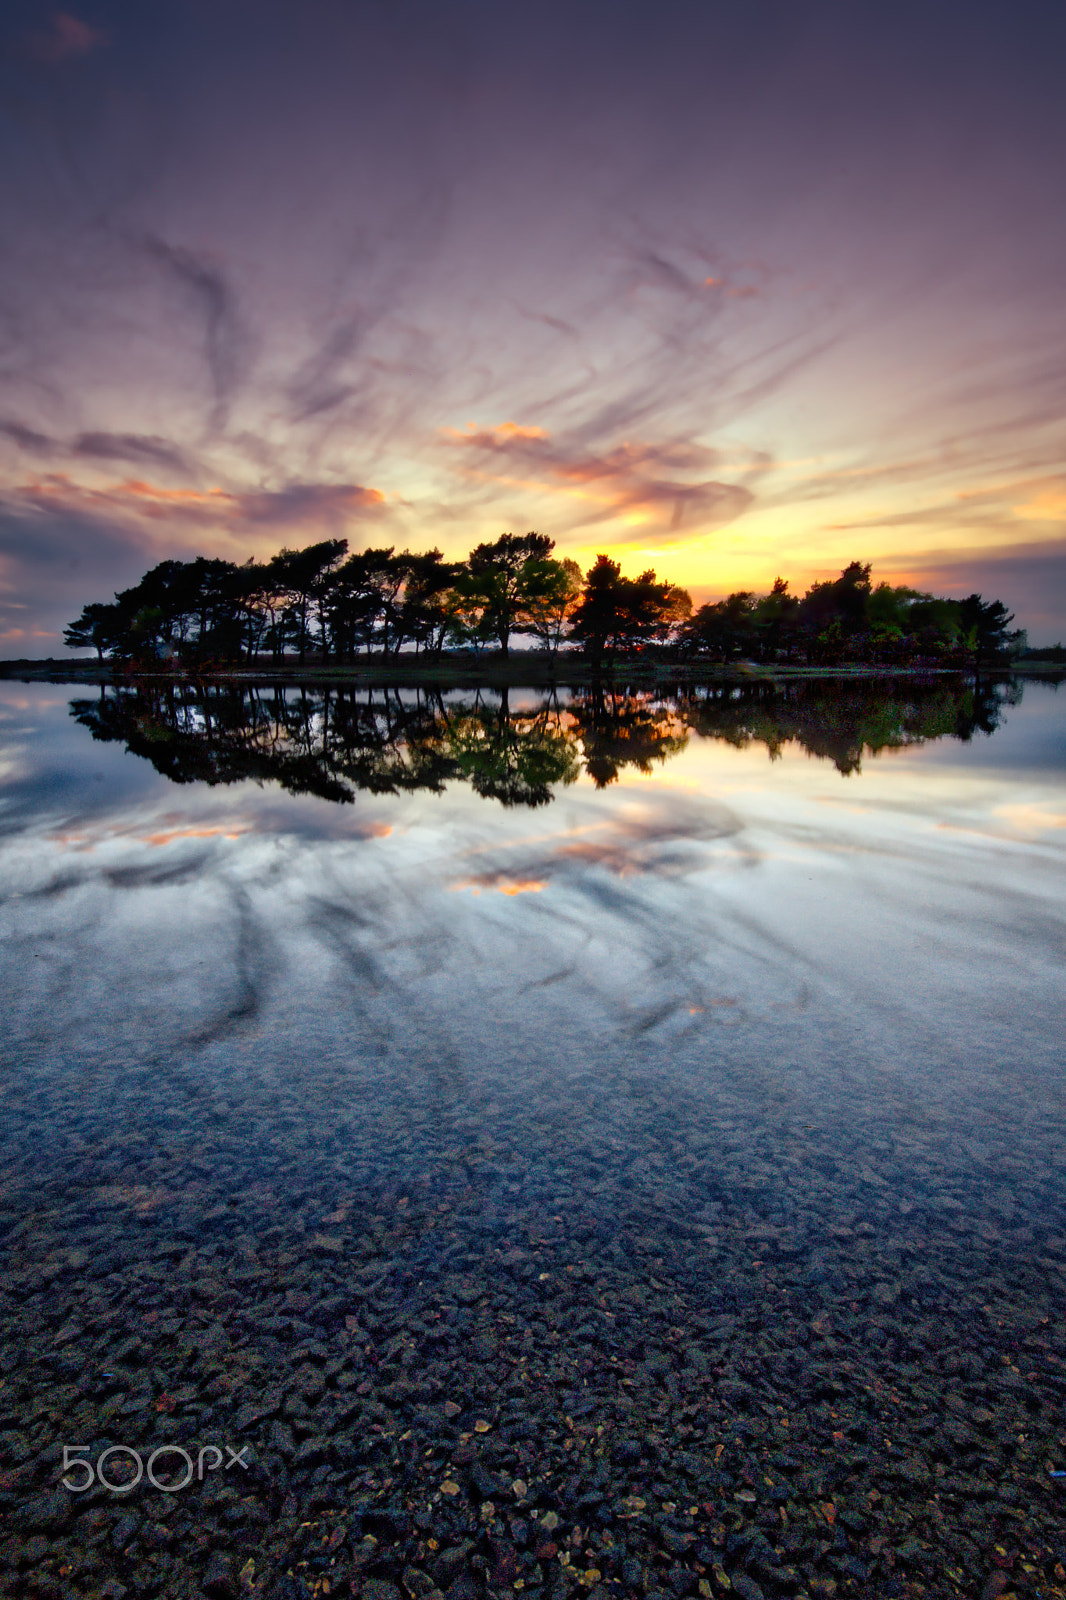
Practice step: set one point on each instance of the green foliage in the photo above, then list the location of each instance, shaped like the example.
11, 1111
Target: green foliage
513, 759
847, 620
984, 626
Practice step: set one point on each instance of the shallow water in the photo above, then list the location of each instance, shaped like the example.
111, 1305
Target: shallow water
693, 1118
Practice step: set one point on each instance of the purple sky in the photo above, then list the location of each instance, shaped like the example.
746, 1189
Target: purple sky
727, 291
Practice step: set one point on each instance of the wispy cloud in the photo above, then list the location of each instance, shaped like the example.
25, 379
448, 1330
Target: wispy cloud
657, 484
63, 544
138, 448
65, 38
319, 384
998, 507
213, 299
293, 506
29, 439
54, 559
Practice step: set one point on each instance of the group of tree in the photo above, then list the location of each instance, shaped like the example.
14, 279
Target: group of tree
848, 619
325, 604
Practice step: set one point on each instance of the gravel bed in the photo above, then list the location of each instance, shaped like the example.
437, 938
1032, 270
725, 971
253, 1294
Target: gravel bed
640, 1343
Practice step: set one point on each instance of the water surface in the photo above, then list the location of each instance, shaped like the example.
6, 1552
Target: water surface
680, 1077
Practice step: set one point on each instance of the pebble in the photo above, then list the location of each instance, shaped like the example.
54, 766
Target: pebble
523, 1351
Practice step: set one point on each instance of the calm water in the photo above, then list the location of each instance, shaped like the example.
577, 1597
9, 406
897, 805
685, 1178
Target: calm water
327, 1017
702, 911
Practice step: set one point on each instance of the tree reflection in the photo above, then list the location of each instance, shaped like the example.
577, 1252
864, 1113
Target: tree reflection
514, 757
843, 722
621, 729
334, 741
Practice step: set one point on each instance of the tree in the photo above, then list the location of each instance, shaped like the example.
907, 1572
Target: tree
298, 576
503, 579
426, 599
985, 624
726, 628
621, 730
252, 597
99, 628
617, 613
358, 598
550, 609
842, 600
775, 619
515, 759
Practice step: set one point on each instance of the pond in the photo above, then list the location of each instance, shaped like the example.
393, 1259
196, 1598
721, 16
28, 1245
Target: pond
601, 1142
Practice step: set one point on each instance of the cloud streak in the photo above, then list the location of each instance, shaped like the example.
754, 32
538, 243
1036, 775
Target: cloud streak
137, 448
759, 298
208, 291
294, 506
654, 483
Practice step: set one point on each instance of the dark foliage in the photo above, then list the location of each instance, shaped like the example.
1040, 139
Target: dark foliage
327, 605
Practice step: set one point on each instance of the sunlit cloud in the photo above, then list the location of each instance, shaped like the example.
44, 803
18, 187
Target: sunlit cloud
1027, 819
732, 290
1048, 504
645, 483
19, 636
724, 351
995, 507
295, 505
671, 837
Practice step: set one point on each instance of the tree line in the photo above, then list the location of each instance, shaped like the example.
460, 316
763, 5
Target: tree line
328, 605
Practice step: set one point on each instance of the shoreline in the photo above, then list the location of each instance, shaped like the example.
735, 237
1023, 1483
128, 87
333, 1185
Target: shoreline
528, 670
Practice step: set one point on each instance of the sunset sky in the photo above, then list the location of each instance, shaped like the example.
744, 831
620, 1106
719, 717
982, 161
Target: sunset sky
727, 290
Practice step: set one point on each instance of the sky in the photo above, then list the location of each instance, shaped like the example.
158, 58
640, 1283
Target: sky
730, 291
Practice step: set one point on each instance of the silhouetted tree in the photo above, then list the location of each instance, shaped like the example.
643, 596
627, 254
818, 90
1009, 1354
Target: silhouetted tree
617, 613
300, 577
775, 618
515, 759
210, 610
504, 578
553, 603
725, 628
985, 624
625, 730
100, 627
427, 603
